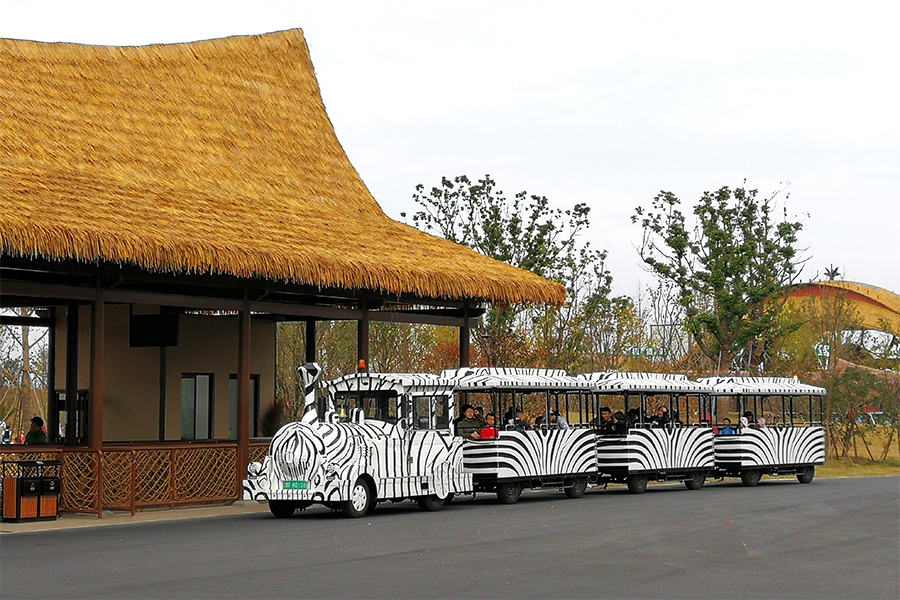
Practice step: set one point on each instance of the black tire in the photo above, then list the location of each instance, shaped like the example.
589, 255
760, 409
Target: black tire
509, 492
576, 490
751, 477
806, 474
695, 481
637, 484
430, 503
360, 500
448, 499
282, 509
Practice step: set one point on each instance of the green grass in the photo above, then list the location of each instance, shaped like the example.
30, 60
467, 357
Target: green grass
859, 468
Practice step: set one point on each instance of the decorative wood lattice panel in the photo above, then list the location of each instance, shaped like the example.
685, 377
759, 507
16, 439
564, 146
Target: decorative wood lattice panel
153, 480
205, 474
258, 452
80, 481
117, 480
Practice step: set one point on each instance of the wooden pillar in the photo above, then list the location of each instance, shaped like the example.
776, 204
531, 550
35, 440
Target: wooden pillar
362, 334
52, 403
95, 413
243, 389
311, 341
464, 338
71, 372
163, 373
95, 394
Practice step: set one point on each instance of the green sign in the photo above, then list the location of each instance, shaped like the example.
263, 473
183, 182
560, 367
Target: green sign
823, 354
295, 485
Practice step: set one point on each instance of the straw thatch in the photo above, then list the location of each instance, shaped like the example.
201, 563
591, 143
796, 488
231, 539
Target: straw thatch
208, 157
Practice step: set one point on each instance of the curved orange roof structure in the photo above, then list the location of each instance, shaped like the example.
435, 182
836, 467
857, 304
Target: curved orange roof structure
878, 308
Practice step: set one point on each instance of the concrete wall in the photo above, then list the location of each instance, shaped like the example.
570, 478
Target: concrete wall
207, 344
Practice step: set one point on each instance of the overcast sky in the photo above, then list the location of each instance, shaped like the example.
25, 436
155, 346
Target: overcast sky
587, 102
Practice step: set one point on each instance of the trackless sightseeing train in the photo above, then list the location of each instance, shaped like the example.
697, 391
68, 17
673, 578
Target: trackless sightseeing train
392, 437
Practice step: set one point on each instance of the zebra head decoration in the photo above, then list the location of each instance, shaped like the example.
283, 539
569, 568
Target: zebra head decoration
309, 375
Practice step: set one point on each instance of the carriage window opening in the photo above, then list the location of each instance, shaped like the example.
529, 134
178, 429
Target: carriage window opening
442, 412
381, 406
681, 414
421, 413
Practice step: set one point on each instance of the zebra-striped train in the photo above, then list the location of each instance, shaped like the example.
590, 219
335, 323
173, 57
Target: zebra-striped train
391, 437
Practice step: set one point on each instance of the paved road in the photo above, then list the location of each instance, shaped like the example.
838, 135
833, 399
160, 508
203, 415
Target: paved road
835, 538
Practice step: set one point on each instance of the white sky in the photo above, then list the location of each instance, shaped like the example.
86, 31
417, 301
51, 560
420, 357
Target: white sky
604, 103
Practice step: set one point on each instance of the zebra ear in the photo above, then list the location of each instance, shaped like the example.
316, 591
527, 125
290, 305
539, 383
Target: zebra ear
312, 370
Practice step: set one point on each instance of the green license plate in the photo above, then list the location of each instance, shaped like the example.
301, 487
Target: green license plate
295, 485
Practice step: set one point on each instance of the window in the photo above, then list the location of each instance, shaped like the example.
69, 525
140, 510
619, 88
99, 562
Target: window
381, 406
233, 406
196, 406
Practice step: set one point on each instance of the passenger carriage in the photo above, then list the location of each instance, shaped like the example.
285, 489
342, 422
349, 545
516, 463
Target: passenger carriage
783, 435
675, 447
556, 455
376, 437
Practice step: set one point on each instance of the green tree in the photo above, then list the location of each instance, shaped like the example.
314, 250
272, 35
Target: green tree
729, 270
526, 232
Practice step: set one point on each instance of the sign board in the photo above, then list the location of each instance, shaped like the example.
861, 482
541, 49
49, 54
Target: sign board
823, 354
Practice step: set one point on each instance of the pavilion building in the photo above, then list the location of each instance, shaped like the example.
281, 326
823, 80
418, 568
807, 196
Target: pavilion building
162, 208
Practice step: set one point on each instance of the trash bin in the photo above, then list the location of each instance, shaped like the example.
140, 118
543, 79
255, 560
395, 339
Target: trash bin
30, 490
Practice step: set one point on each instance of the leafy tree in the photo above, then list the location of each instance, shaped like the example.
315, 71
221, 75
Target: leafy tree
526, 232
729, 270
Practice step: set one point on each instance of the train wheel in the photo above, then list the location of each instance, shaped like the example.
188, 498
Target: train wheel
508, 492
577, 488
637, 484
695, 481
430, 503
751, 477
282, 509
360, 500
806, 474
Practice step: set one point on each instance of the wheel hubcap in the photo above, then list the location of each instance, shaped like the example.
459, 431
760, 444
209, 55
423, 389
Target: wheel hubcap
359, 497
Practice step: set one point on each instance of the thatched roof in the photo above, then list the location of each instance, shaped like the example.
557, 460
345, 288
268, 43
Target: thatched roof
208, 157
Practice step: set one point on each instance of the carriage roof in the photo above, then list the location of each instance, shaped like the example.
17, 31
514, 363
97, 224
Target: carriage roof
414, 384
754, 386
645, 382
485, 379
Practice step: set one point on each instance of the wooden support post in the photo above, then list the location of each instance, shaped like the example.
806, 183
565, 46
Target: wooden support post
71, 372
52, 403
464, 352
163, 372
95, 428
243, 385
311, 341
362, 334
95, 412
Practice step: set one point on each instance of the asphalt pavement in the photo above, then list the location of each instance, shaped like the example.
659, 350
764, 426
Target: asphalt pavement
834, 538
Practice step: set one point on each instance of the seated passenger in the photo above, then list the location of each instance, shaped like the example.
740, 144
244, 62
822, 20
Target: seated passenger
606, 422
521, 423
619, 424
469, 427
538, 422
479, 414
557, 421
727, 429
762, 423
633, 416
751, 420
489, 431
662, 417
